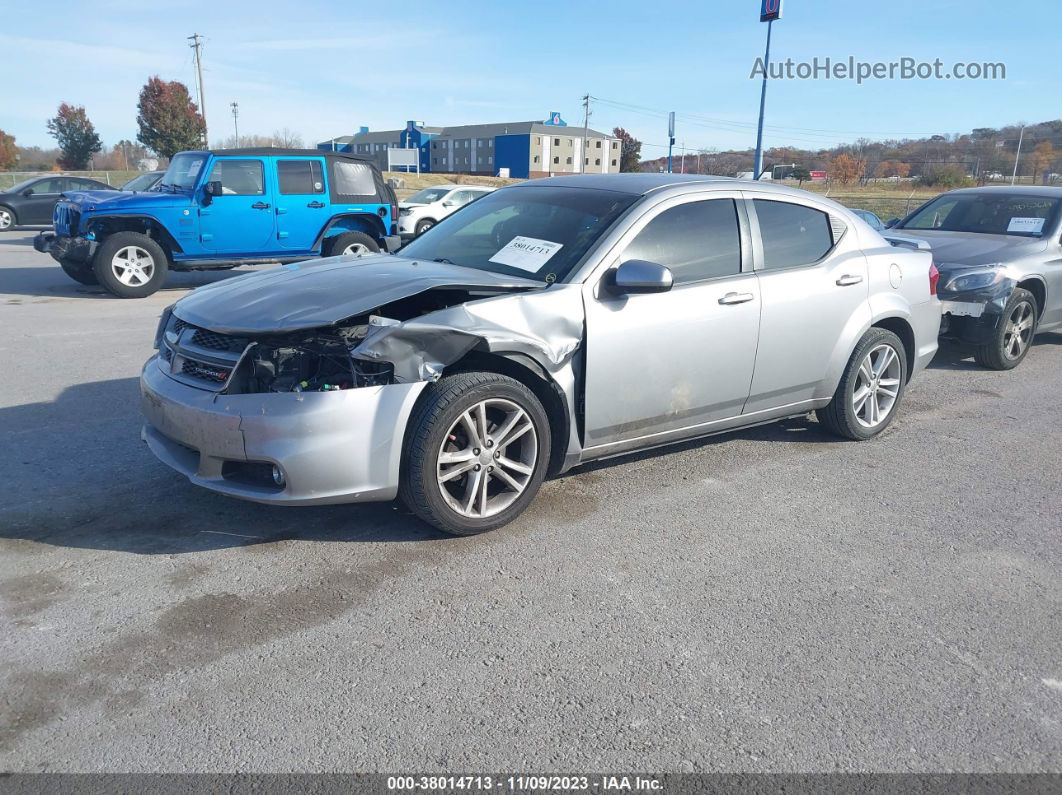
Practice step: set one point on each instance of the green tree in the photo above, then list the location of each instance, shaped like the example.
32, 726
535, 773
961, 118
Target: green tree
630, 150
76, 136
8, 151
169, 121
800, 174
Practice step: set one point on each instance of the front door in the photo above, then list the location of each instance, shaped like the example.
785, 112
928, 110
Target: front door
36, 208
240, 220
815, 297
302, 201
662, 362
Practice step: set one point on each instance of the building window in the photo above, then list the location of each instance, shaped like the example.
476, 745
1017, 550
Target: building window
615, 144
586, 161
556, 161
556, 141
597, 161
536, 159
490, 143
570, 142
569, 161
490, 160
613, 161
598, 144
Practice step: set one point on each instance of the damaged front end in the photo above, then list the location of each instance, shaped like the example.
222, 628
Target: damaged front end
973, 300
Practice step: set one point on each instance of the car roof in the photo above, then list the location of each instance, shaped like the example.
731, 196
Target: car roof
640, 184
1047, 191
273, 151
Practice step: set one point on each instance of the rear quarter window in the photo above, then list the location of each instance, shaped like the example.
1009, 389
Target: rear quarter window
353, 181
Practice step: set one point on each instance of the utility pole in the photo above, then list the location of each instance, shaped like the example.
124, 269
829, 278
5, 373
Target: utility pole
586, 129
770, 10
670, 138
1021, 137
682, 167
236, 125
197, 45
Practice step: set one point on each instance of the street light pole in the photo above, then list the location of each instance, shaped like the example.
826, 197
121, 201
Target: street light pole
196, 45
1017, 154
757, 164
236, 125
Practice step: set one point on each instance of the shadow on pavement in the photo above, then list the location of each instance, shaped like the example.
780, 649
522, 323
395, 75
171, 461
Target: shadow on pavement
47, 280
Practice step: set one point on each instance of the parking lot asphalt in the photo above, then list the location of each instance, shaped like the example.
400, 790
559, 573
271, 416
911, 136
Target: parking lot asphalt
770, 600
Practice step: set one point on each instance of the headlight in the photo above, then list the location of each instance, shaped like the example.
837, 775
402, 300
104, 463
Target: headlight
404, 211
164, 321
977, 280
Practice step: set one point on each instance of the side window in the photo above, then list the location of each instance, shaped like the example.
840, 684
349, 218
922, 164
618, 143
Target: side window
239, 177
792, 234
353, 179
460, 198
47, 186
300, 177
698, 240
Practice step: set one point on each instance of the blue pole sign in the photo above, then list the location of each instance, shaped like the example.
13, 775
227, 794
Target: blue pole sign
770, 10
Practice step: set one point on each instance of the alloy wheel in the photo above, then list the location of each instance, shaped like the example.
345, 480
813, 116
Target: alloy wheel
487, 458
877, 386
132, 266
5, 220
356, 249
1019, 329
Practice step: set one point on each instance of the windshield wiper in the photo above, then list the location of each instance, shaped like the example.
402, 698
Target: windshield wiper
443, 260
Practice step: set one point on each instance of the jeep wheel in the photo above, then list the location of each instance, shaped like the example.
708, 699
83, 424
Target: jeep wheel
7, 219
423, 226
355, 244
80, 272
130, 265
1013, 335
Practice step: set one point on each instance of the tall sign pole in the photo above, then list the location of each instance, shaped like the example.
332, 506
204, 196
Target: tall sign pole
1017, 155
670, 138
770, 10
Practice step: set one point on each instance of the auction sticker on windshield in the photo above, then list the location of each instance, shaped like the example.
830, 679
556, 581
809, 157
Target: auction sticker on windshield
526, 253
1033, 226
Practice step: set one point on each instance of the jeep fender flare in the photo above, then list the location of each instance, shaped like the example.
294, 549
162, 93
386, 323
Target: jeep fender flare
129, 224
370, 223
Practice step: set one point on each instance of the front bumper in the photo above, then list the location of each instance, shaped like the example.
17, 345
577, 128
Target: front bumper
332, 447
69, 248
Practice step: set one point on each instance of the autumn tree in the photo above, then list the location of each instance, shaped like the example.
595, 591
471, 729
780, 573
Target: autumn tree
1042, 157
630, 150
892, 168
76, 136
8, 151
845, 169
169, 121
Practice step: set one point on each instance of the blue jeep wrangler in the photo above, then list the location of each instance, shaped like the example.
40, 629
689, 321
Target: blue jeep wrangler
221, 209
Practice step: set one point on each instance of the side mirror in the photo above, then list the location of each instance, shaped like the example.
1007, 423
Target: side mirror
448, 203
891, 223
210, 190
27, 192
639, 276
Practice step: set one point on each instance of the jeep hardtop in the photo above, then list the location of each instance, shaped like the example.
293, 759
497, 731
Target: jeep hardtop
220, 209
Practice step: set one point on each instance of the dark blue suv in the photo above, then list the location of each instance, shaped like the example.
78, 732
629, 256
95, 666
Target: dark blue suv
220, 209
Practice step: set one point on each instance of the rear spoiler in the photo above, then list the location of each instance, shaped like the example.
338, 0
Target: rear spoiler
907, 242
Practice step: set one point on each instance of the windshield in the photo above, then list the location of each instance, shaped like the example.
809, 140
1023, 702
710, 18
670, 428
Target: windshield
987, 213
183, 170
427, 196
143, 182
539, 233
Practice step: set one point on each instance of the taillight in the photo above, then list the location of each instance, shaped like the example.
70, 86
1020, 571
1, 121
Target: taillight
394, 219
934, 277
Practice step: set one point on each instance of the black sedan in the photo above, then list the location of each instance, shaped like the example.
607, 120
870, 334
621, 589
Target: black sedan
30, 203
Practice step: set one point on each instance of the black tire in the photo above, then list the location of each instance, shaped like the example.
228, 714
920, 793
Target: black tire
840, 415
429, 427
80, 272
110, 247
339, 243
997, 353
8, 218
423, 225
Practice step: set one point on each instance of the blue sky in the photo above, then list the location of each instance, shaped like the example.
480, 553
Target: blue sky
326, 68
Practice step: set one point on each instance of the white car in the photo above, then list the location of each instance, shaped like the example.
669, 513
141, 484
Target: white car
427, 207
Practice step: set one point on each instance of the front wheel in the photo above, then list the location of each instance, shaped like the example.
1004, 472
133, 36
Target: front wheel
7, 219
130, 265
355, 244
1013, 335
475, 453
423, 226
80, 272
871, 388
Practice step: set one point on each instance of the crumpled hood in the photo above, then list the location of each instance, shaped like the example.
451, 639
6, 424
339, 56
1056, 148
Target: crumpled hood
125, 201
322, 292
951, 249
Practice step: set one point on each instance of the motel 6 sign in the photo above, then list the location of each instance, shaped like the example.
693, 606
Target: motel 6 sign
770, 10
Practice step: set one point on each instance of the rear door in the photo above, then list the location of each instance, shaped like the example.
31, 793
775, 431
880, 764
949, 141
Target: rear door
660, 363
302, 201
815, 295
240, 221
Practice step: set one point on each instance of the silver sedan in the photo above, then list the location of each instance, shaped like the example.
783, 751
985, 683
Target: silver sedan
999, 251
548, 324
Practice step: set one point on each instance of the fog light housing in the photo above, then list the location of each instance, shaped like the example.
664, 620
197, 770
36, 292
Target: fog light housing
278, 476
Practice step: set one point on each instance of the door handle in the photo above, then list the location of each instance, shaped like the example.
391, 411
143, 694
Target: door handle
736, 298
316, 205
848, 281
259, 206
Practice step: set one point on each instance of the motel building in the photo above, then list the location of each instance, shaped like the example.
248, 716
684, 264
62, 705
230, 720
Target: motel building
524, 148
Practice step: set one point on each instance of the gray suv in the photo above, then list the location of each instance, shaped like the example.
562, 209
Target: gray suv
547, 324
999, 251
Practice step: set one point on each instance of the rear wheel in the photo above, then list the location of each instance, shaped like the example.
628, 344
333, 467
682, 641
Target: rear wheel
80, 272
423, 226
355, 244
476, 451
130, 265
871, 388
1013, 335
7, 219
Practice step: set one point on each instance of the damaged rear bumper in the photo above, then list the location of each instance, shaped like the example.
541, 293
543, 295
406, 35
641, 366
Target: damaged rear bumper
331, 447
